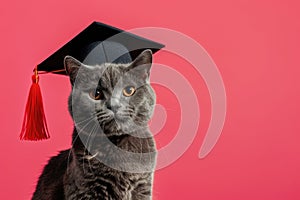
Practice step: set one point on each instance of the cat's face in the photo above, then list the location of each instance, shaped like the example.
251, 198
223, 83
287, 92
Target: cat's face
116, 98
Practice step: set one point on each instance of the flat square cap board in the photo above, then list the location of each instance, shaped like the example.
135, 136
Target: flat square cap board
99, 43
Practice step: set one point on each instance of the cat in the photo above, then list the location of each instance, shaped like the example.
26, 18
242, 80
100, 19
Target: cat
113, 152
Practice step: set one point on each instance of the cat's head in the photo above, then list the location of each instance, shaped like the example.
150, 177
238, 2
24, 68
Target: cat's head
116, 98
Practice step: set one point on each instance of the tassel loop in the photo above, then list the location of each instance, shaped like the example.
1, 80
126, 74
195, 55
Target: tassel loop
34, 123
35, 77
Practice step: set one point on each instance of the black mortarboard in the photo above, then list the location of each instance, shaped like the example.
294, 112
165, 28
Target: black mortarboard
99, 43
96, 44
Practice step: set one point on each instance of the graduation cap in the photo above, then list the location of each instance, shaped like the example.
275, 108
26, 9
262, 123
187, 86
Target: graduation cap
98, 43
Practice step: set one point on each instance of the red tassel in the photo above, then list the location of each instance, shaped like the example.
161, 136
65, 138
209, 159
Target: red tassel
34, 124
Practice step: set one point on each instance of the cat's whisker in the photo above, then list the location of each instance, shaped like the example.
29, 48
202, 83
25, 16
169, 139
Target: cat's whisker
70, 152
105, 117
92, 156
89, 157
74, 140
94, 132
82, 121
81, 130
88, 141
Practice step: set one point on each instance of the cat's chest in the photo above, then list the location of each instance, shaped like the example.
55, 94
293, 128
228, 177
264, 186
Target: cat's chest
98, 184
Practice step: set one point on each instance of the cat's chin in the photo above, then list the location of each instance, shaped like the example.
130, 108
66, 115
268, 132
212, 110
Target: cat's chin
122, 126
112, 128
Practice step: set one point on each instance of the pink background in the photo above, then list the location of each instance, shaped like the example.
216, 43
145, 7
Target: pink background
254, 43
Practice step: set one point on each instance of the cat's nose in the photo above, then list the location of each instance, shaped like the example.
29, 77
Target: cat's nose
113, 104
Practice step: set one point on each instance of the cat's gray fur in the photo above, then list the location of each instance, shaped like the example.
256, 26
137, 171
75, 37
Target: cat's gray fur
92, 169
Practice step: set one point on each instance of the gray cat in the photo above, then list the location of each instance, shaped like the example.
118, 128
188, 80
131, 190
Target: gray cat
113, 152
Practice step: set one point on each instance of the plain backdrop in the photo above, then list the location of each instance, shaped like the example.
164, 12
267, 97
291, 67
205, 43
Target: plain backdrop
255, 45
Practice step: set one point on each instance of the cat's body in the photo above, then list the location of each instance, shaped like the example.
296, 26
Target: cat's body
93, 168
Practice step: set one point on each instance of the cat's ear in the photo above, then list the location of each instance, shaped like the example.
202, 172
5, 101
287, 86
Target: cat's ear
72, 66
142, 64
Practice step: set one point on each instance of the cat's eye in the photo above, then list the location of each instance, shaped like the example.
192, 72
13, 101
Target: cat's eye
96, 94
128, 91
